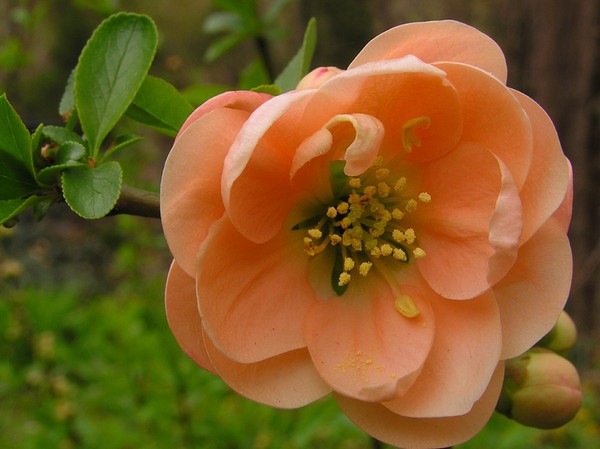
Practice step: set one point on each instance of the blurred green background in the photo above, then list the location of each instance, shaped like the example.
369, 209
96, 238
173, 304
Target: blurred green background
86, 357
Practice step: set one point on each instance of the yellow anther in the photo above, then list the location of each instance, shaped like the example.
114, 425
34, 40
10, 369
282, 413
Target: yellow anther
354, 198
400, 184
331, 212
315, 233
383, 189
382, 173
348, 264
354, 183
410, 236
397, 214
370, 190
364, 268
386, 249
398, 236
346, 222
424, 197
398, 254
335, 239
411, 205
406, 306
419, 253
342, 208
378, 161
344, 279
376, 252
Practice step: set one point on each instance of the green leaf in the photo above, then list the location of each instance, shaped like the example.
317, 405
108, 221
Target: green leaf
67, 101
9, 209
274, 10
70, 152
221, 46
60, 135
123, 142
255, 74
198, 94
111, 69
300, 63
272, 89
15, 141
222, 22
160, 105
92, 192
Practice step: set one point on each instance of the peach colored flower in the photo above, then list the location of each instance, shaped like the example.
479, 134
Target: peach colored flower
389, 233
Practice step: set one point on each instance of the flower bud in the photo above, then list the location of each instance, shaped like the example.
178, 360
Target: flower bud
562, 337
317, 77
541, 389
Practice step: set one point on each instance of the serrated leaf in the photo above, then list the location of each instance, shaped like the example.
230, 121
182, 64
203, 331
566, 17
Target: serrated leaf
123, 142
300, 63
50, 175
110, 71
67, 101
60, 135
70, 152
9, 209
160, 105
36, 143
15, 141
92, 192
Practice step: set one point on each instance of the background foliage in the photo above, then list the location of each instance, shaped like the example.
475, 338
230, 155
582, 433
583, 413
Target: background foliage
86, 358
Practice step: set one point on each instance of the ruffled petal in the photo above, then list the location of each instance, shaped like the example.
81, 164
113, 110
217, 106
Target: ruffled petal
241, 100
190, 191
396, 92
183, 316
470, 230
465, 352
255, 183
288, 380
252, 298
423, 433
534, 292
356, 138
493, 117
436, 41
363, 347
548, 178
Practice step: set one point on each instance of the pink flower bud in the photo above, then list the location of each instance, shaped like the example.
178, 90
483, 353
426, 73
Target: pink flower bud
317, 77
562, 337
541, 389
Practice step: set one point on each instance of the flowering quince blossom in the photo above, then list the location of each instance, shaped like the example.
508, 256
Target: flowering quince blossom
389, 233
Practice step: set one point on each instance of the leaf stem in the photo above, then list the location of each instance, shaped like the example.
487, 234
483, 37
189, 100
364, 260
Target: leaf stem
134, 201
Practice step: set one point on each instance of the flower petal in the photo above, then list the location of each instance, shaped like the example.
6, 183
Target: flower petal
436, 41
548, 178
357, 135
534, 292
465, 352
493, 117
363, 347
255, 183
252, 298
288, 380
396, 92
562, 215
470, 230
190, 193
241, 100
183, 316
423, 433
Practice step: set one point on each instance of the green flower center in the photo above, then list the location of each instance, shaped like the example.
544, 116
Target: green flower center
364, 224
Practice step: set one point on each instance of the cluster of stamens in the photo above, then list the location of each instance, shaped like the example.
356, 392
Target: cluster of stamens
366, 223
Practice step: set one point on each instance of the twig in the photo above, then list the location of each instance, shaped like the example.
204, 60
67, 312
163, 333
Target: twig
138, 202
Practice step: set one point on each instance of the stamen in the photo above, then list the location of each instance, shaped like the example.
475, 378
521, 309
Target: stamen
344, 279
424, 197
411, 205
419, 253
406, 306
364, 268
400, 184
409, 138
382, 173
315, 233
332, 212
354, 183
410, 236
348, 264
